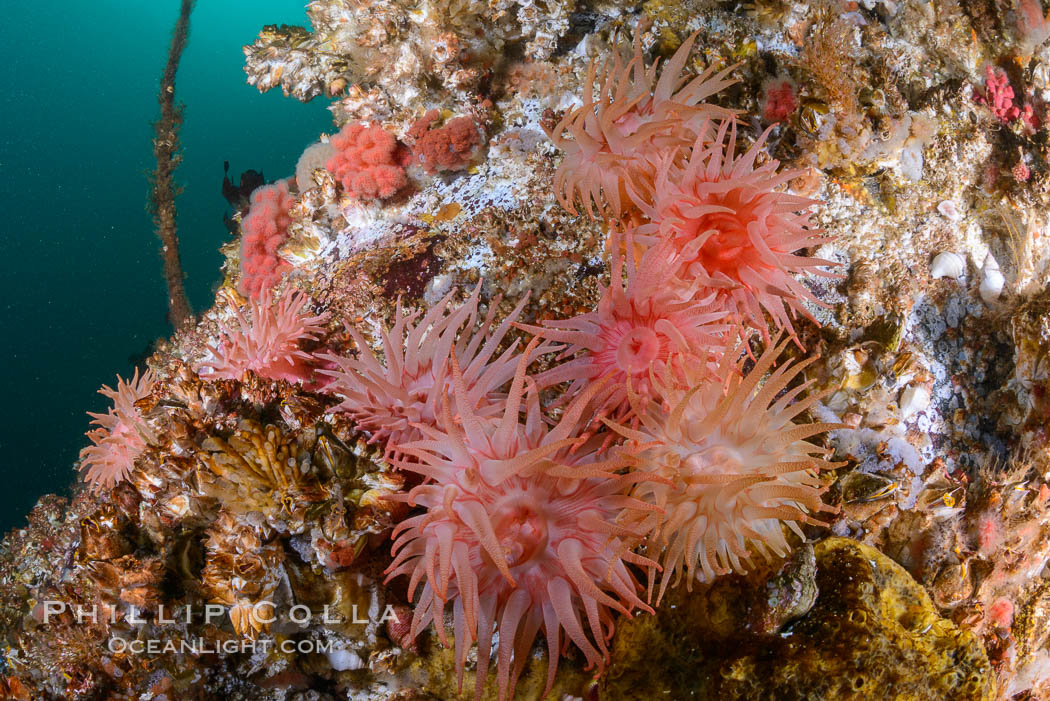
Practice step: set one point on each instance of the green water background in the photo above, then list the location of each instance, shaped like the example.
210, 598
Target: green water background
82, 292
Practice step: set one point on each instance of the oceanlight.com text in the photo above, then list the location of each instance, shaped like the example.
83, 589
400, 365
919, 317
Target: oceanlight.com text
200, 646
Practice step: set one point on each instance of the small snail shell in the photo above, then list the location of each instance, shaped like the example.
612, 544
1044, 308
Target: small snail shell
992, 280
948, 264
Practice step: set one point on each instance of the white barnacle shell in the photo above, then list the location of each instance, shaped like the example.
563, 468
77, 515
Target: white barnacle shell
948, 264
914, 399
992, 280
949, 210
178, 505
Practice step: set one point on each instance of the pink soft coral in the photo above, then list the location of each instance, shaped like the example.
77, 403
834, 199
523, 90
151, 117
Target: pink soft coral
267, 341
729, 468
779, 99
518, 535
736, 232
122, 433
620, 138
641, 327
265, 230
999, 95
450, 147
369, 161
391, 399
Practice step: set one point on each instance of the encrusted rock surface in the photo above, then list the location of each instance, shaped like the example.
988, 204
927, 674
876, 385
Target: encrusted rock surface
872, 632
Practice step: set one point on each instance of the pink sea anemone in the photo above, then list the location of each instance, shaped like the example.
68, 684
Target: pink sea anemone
265, 230
122, 433
735, 231
518, 534
266, 341
390, 399
369, 161
641, 327
731, 468
621, 136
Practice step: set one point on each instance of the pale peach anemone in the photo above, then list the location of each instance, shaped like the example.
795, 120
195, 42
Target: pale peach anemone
642, 326
519, 534
637, 118
122, 433
730, 470
736, 231
389, 399
266, 341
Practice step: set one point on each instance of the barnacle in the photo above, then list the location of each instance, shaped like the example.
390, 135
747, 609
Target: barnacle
128, 580
334, 542
287, 56
262, 469
242, 572
102, 535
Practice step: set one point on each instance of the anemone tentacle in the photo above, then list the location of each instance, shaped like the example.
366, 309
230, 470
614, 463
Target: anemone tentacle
390, 399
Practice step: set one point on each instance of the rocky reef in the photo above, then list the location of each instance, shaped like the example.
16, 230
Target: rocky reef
841, 620
600, 351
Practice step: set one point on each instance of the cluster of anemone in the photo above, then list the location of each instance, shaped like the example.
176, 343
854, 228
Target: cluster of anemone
645, 450
645, 432
648, 152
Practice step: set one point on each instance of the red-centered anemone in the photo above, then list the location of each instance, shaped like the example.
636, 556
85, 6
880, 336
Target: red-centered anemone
518, 535
735, 231
389, 399
122, 433
641, 326
621, 136
731, 468
266, 341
